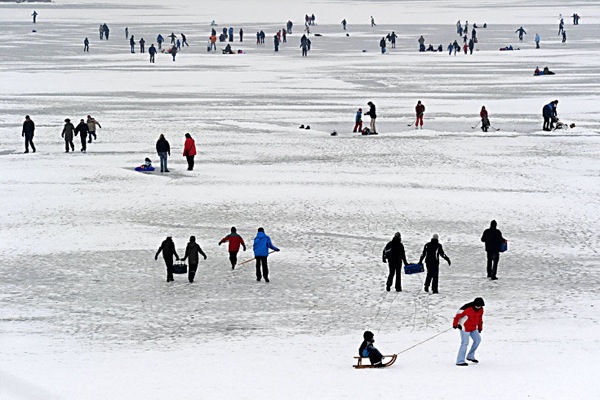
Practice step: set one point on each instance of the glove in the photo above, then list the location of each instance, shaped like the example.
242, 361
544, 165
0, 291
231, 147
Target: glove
155, 258
449, 262
479, 330
220, 243
277, 250
205, 257
459, 326
384, 260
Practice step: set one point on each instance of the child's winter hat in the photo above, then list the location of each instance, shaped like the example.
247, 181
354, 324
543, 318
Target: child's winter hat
479, 302
368, 335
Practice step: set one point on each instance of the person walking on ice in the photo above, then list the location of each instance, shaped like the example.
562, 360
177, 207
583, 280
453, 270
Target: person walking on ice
394, 255
420, 110
67, 133
92, 124
82, 129
34, 15
152, 52
235, 241
521, 32
469, 321
27, 133
492, 237
262, 244
86, 45
167, 248
432, 253
373, 22
373, 114
192, 251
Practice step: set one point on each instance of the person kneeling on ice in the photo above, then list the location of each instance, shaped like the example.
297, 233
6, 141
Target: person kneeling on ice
367, 350
469, 320
146, 166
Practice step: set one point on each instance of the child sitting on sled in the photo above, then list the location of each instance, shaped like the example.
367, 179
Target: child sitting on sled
146, 166
368, 350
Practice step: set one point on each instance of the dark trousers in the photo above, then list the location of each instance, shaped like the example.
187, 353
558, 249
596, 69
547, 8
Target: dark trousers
492, 263
91, 133
83, 141
169, 264
265, 268
375, 357
233, 258
192, 272
69, 143
433, 272
357, 127
395, 269
190, 161
28, 142
546, 126
151, 58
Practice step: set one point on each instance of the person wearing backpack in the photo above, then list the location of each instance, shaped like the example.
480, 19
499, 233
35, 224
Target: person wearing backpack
432, 253
493, 240
394, 255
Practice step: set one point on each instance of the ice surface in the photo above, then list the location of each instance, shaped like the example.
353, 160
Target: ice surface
86, 313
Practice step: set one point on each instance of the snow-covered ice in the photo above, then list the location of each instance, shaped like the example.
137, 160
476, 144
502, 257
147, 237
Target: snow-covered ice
85, 310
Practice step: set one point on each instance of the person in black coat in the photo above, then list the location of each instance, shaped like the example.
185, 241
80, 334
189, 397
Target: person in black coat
432, 253
493, 240
82, 129
167, 247
28, 129
371, 113
192, 251
394, 255
132, 43
163, 149
367, 349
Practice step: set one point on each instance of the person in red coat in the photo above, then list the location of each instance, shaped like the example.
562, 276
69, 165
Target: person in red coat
420, 110
189, 151
469, 320
235, 241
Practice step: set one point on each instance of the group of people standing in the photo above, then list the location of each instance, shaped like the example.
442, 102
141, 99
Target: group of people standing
163, 149
262, 247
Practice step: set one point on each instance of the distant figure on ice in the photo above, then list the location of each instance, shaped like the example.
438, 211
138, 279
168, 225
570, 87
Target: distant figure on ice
485, 122
159, 40
242, 35
373, 114
367, 349
393, 37
106, 31
521, 32
193, 252
358, 121
382, 44
373, 22
276, 42
564, 36
289, 27
550, 115
142, 43
537, 41
262, 244
394, 255
492, 237
152, 52
469, 320
34, 15
421, 43
235, 241
344, 24
576, 18
126, 33
83, 130
173, 37
189, 151
101, 32
163, 149
132, 43
304, 45
471, 46
86, 45
92, 124
178, 45
561, 27
173, 51
432, 253
67, 133
184, 40
167, 247
419, 110
27, 133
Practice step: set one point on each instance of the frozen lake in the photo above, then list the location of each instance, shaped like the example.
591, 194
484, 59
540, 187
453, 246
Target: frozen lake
86, 312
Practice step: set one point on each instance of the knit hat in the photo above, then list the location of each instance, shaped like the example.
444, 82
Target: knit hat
479, 302
435, 236
368, 335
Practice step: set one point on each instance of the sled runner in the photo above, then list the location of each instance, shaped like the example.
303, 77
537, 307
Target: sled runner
410, 269
360, 365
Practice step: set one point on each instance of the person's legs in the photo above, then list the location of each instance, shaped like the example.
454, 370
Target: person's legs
233, 258
435, 275
390, 278
258, 273
83, 141
428, 277
373, 125
265, 269
192, 272
72, 145
495, 259
462, 350
489, 264
66, 146
476, 340
398, 268
169, 264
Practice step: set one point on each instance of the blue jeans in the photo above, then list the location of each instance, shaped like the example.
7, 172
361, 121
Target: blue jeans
464, 343
163, 161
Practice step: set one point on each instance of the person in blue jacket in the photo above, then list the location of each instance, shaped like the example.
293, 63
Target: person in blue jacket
231, 33
521, 31
262, 244
550, 115
160, 40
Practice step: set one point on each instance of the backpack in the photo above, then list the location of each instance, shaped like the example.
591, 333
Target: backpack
366, 131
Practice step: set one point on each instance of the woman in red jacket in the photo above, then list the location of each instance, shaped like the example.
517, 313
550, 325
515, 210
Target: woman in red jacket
469, 320
189, 151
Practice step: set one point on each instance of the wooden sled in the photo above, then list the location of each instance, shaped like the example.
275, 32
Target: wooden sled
360, 365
